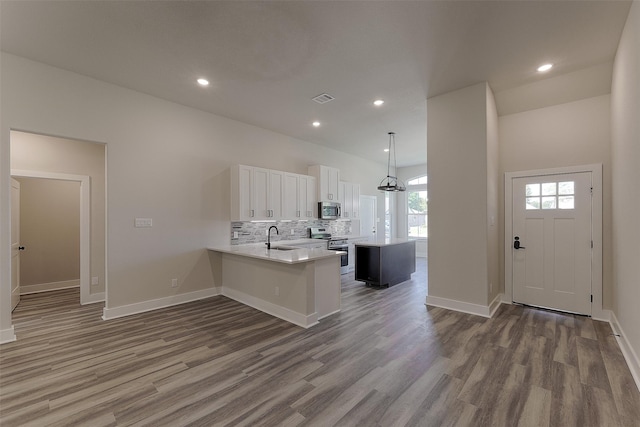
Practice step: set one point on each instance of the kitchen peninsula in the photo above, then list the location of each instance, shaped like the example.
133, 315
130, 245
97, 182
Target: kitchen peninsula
297, 284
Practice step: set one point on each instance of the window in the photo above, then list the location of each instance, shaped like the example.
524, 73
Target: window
550, 195
417, 201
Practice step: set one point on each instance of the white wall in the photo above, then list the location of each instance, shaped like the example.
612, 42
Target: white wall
493, 184
457, 152
625, 109
572, 134
165, 161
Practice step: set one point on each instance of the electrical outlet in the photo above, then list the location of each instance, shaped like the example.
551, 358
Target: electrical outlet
293, 231
95, 281
235, 234
174, 283
143, 222
276, 291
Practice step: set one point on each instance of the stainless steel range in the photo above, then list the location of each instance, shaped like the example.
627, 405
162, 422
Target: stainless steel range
333, 244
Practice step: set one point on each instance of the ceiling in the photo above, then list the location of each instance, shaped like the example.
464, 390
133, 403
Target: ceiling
267, 59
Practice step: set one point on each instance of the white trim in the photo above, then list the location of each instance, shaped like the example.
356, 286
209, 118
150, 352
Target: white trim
495, 304
7, 335
455, 305
627, 350
306, 321
155, 304
329, 314
85, 221
596, 223
51, 286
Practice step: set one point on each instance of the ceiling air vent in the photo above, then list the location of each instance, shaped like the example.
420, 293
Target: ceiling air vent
323, 98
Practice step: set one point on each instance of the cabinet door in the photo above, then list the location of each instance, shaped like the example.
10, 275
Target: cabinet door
355, 207
261, 193
347, 203
244, 190
275, 196
311, 205
333, 181
291, 198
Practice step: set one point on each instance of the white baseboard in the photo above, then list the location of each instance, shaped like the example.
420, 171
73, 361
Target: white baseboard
329, 314
306, 321
144, 306
7, 335
627, 350
464, 307
51, 286
602, 315
495, 304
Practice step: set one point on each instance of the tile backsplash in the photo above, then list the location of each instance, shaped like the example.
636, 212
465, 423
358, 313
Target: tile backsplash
256, 232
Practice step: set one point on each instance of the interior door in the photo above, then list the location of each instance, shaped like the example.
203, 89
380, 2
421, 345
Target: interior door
552, 242
15, 243
368, 209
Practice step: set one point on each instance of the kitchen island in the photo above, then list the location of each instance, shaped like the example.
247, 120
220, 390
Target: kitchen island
299, 285
385, 262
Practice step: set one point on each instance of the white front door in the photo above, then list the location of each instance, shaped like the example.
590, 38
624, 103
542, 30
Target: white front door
368, 213
551, 246
15, 243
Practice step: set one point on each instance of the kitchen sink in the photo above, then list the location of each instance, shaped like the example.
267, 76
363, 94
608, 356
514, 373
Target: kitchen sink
283, 248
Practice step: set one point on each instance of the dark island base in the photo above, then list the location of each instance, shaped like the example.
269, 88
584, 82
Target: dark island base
385, 265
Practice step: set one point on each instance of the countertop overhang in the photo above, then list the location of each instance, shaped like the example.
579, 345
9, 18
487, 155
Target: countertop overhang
294, 256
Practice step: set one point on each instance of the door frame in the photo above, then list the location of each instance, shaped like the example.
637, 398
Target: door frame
375, 213
85, 226
597, 311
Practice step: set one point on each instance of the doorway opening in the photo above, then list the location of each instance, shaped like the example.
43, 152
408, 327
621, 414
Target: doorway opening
68, 163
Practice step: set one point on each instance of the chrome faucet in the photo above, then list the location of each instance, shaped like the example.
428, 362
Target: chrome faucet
269, 236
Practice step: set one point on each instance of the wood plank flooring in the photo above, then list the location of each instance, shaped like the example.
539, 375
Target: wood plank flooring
385, 360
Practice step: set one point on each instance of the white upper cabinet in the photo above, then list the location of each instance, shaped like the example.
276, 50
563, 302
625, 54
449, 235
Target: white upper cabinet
256, 193
349, 198
328, 181
299, 196
263, 194
309, 202
291, 191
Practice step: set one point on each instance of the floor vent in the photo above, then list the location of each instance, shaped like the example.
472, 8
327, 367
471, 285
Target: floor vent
323, 98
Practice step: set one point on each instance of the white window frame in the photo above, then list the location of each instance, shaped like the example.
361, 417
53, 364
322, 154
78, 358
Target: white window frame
416, 187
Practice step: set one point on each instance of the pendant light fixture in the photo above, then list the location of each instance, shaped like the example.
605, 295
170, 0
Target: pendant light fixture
391, 183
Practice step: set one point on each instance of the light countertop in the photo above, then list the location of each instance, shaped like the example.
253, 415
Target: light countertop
385, 242
295, 256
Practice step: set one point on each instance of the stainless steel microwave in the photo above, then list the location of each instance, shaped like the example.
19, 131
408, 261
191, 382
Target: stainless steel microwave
328, 210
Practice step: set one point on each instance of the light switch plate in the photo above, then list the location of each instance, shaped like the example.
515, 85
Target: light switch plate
143, 222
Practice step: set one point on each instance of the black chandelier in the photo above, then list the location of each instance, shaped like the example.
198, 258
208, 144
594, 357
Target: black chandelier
391, 183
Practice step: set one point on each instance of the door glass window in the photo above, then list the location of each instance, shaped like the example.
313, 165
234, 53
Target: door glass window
550, 195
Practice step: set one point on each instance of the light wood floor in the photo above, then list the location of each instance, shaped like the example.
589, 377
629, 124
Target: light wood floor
385, 360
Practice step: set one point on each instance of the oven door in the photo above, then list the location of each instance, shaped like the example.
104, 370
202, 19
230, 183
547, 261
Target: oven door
344, 258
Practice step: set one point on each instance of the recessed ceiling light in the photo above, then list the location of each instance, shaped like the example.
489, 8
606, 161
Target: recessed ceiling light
316, 124
378, 102
545, 67
203, 82
386, 150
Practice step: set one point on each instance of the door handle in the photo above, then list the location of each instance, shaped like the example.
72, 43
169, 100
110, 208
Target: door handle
21, 248
516, 243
